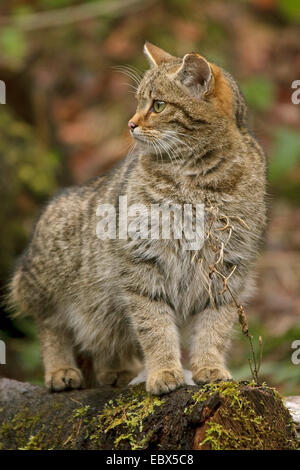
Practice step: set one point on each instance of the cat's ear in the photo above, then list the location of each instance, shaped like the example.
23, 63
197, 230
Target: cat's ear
195, 75
155, 55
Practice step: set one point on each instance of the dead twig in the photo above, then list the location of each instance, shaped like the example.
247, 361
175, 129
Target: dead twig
260, 340
218, 247
243, 322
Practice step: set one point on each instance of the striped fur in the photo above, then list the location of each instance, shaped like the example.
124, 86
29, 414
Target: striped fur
131, 303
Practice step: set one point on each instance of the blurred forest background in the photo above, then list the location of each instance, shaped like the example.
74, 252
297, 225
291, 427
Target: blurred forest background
66, 120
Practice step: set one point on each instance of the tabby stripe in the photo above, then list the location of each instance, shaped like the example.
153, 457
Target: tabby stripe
188, 115
31, 278
182, 124
120, 186
125, 176
152, 261
154, 298
215, 167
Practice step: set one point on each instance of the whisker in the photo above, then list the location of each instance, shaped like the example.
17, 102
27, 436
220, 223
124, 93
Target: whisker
137, 79
165, 146
136, 70
173, 136
173, 144
155, 149
181, 133
155, 142
177, 157
130, 154
169, 151
183, 143
163, 149
177, 140
130, 85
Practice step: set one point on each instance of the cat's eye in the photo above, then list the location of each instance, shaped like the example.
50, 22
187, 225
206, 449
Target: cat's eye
159, 106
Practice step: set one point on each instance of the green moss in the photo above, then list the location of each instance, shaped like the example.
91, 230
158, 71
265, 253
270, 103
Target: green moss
35, 442
19, 426
125, 415
249, 428
80, 412
219, 438
226, 389
125, 421
33, 431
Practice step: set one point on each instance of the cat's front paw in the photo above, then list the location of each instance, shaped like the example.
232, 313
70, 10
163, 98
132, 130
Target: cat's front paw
210, 374
164, 381
64, 379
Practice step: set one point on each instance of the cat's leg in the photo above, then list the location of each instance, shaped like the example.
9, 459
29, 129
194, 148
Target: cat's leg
117, 356
116, 372
159, 339
61, 371
211, 334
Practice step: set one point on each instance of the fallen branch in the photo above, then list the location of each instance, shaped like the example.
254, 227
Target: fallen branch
224, 415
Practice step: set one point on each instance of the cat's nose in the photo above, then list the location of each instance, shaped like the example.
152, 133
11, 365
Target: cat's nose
132, 125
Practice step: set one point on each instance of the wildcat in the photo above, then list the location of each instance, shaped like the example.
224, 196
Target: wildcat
133, 302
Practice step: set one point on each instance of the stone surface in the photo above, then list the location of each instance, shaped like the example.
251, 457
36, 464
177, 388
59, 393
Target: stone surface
293, 405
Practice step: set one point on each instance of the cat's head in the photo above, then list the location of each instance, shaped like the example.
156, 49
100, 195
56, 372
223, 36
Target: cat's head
184, 103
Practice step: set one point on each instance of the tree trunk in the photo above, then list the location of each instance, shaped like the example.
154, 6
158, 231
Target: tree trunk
224, 415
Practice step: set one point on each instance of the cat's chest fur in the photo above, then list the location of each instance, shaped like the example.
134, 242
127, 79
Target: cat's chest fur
181, 275
184, 278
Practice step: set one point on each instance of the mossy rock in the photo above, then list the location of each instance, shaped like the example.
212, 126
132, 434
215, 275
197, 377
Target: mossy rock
224, 415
